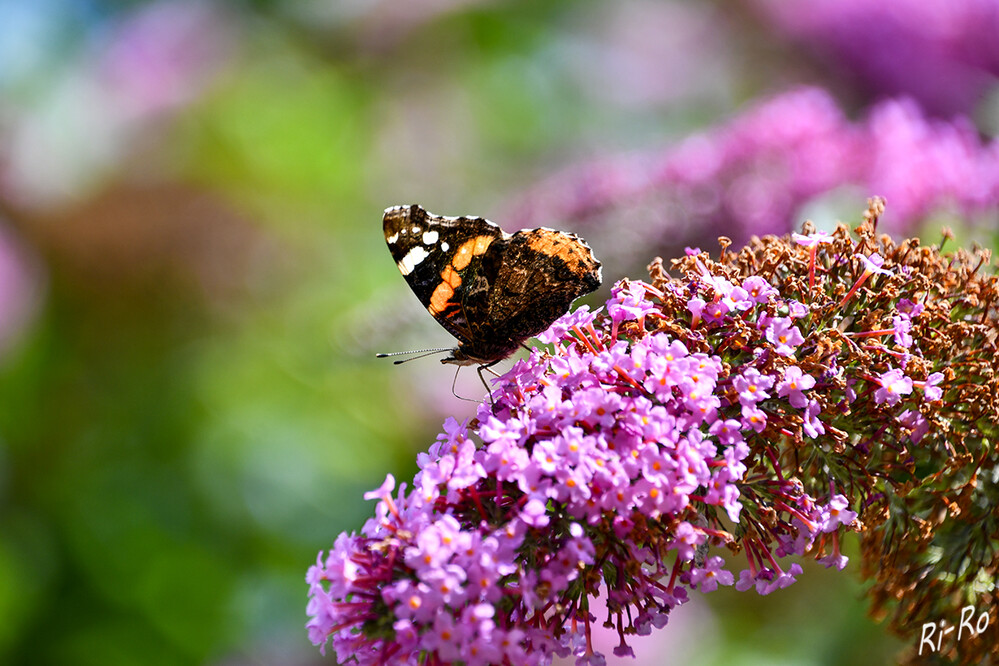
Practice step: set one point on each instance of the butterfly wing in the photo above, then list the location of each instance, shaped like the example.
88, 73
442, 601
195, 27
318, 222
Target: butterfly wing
441, 259
541, 273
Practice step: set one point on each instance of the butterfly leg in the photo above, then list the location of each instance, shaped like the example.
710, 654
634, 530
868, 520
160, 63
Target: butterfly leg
454, 382
488, 366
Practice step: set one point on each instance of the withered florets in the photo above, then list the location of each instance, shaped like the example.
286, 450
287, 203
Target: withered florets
928, 493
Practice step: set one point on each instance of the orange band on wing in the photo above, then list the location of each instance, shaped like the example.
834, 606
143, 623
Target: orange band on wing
481, 243
556, 244
440, 298
450, 279
444, 291
469, 249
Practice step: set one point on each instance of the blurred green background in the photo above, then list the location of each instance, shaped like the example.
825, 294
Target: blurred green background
194, 285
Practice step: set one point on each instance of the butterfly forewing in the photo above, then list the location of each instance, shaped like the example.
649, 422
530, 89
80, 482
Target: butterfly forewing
440, 257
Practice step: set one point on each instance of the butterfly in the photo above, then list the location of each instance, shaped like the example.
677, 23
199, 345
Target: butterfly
489, 289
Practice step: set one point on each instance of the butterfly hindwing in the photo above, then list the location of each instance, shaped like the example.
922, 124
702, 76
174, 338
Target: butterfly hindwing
543, 271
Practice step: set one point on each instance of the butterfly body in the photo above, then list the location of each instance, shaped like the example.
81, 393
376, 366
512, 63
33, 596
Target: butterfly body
489, 289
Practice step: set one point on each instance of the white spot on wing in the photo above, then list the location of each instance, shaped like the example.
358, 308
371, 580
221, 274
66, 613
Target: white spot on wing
444, 247
412, 260
416, 230
429, 237
393, 238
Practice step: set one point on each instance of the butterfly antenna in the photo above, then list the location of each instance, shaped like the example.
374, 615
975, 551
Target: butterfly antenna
420, 353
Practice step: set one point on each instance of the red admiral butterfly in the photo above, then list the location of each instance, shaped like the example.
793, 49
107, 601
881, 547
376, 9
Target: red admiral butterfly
489, 289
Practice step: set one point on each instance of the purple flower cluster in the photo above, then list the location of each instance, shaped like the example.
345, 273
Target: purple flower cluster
616, 460
942, 53
753, 174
